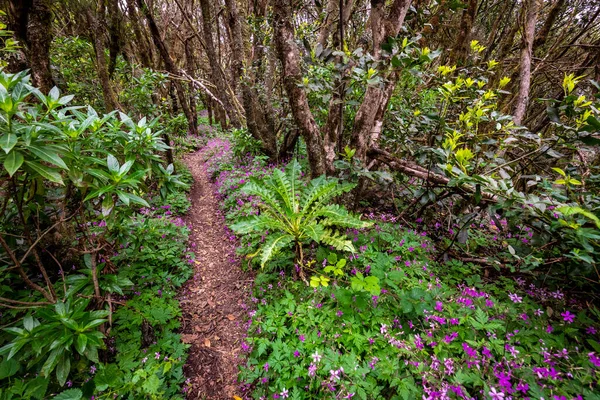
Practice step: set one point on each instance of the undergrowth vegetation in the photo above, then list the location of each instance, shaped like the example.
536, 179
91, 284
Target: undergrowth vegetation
93, 250
388, 321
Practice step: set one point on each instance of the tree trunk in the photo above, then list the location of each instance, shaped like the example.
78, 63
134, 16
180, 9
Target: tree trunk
216, 71
255, 115
542, 35
525, 63
461, 48
369, 117
170, 66
31, 21
97, 24
114, 35
144, 51
190, 64
289, 55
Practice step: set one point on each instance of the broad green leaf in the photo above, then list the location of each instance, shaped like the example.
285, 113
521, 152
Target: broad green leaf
69, 394
8, 368
8, 141
45, 172
49, 155
13, 162
62, 369
112, 163
81, 343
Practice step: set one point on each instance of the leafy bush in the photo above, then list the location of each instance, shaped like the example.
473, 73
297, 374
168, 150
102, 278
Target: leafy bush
73, 183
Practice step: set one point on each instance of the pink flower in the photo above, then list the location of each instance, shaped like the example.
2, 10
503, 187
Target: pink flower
568, 317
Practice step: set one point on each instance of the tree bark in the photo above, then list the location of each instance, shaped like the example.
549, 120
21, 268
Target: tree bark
97, 24
144, 51
525, 63
31, 21
542, 35
170, 66
369, 117
216, 71
460, 51
114, 35
289, 55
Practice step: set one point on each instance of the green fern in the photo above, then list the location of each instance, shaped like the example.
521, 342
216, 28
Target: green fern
295, 215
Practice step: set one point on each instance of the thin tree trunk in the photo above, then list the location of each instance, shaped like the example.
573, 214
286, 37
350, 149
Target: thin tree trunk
144, 52
170, 66
525, 64
217, 73
542, 35
459, 53
190, 64
114, 34
32, 22
97, 24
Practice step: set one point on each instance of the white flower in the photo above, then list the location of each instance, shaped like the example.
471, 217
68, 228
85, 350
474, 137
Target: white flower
316, 357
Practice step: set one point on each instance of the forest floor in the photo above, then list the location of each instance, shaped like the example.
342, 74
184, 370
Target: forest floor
212, 320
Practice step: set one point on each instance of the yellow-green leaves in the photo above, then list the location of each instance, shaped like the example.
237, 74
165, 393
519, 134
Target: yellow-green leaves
492, 64
446, 70
503, 82
569, 83
566, 179
316, 281
476, 46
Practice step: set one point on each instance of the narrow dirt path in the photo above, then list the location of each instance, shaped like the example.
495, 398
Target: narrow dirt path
212, 321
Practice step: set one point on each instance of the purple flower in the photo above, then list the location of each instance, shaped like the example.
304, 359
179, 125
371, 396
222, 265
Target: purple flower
590, 330
594, 359
312, 370
266, 367
302, 338
515, 299
284, 393
296, 353
439, 306
93, 369
568, 317
156, 356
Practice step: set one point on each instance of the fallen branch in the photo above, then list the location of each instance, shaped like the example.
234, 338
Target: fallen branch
413, 169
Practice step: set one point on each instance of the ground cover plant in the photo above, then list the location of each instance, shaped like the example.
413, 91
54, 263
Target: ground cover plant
388, 321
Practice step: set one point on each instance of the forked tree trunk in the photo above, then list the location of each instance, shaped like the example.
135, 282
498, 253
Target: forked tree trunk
369, 117
255, 116
144, 51
289, 56
525, 63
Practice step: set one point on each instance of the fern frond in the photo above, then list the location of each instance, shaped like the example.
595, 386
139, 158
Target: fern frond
337, 240
266, 194
321, 193
257, 223
314, 231
280, 184
273, 245
336, 215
